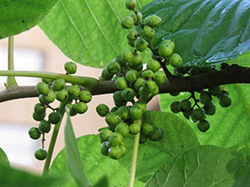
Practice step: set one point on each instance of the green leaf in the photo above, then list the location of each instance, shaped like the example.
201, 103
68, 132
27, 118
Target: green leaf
88, 32
242, 60
4, 158
177, 138
97, 166
205, 32
229, 126
204, 166
73, 158
19, 16
14, 177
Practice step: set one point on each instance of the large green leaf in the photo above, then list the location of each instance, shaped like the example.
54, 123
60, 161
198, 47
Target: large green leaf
73, 158
88, 31
97, 166
204, 166
19, 16
177, 138
3, 158
229, 126
13, 177
205, 32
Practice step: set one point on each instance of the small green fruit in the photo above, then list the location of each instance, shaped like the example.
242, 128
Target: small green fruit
153, 21
113, 67
106, 75
160, 77
115, 139
132, 35
136, 113
165, 50
112, 119
197, 115
70, 67
117, 97
132, 76
122, 128
50, 97
210, 108
143, 138
215, 91
225, 100
85, 96
47, 80
105, 134
130, 4
102, 110
80, 107
134, 128
153, 65
42, 88
41, 154
141, 105
71, 109
34, 133
74, 91
148, 32
137, 60
140, 44
127, 22
121, 83
58, 84
104, 148
44, 126
139, 83
39, 108
38, 117
148, 74
128, 94
175, 107
176, 60
123, 112
137, 17
147, 129
203, 125
62, 95
54, 117
115, 152
127, 56
205, 98
156, 134
185, 105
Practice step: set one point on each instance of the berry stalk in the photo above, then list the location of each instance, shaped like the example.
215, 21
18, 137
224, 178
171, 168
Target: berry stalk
86, 82
11, 79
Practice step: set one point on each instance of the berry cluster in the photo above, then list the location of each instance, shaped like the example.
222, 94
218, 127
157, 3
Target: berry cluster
50, 90
136, 87
197, 113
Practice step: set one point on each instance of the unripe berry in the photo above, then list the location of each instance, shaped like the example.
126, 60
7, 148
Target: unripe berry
104, 148
137, 60
127, 56
210, 108
34, 133
80, 107
156, 134
128, 94
141, 105
54, 117
74, 91
132, 76
137, 17
175, 107
176, 60
117, 97
85, 96
47, 80
102, 110
143, 138
140, 44
44, 126
115, 139
121, 83
62, 95
113, 67
132, 35
42, 88
127, 22
112, 119
185, 105
160, 77
106, 75
38, 117
105, 134
153, 65
115, 152
148, 74
205, 98
50, 97
148, 33
138, 68
123, 112
130, 4
151, 86
59, 84
122, 128
153, 21
225, 100
147, 128
187, 113
165, 50
198, 114
203, 125
71, 109
39, 108
215, 91
134, 128
139, 83
136, 113
70, 67
41, 154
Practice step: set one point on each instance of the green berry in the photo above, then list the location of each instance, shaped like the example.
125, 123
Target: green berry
160, 77
117, 97
165, 50
127, 22
143, 138
210, 108
130, 4
225, 100
42, 88
148, 74
70, 67
140, 44
147, 129
104, 148
122, 128
85, 96
113, 67
203, 125
132, 76
151, 87
185, 105
136, 113
71, 109
54, 117
215, 91
114, 109
106, 75
47, 80
134, 128
112, 119
39, 108
80, 107
137, 17
44, 126
175, 107
132, 35
156, 134
121, 83
59, 84
115, 139
197, 115
187, 113
128, 94
50, 97
141, 105
102, 110
115, 152
38, 117
153, 21
139, 83
153, 65
105, 134
62, 95
205, 98
176, 60
123, 112
74, 91
34, 133
137, 60
127, 56
138, 68
41, 154
148, 32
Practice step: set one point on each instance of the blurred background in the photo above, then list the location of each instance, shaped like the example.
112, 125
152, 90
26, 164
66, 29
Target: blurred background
35, 52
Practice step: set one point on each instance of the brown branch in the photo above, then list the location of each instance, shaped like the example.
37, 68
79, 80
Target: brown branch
228, 75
